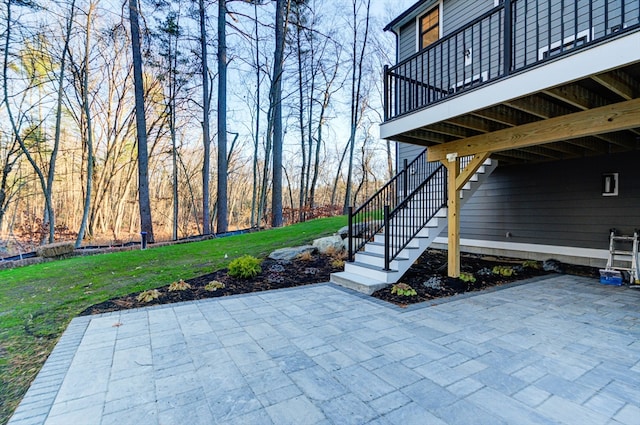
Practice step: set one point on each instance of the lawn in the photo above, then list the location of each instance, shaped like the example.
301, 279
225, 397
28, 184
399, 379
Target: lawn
38, 302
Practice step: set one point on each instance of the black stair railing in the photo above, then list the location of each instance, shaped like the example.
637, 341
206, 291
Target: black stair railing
402, 208
368, 219
409, 217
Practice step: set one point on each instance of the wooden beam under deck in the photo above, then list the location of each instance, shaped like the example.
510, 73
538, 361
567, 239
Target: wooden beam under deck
620, 83
619, 116
478, 124
583, 99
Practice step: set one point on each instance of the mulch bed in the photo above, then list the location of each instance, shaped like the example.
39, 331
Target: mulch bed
428, 277
275, 275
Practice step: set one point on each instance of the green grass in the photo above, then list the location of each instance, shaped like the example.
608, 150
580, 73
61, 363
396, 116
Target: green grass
38, 302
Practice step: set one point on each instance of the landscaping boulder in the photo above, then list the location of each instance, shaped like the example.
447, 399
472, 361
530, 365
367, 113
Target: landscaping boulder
343, 232
53, 250
551, 265
323, 245
291, 253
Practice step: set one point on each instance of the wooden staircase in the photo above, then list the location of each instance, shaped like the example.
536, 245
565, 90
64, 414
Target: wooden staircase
370, 270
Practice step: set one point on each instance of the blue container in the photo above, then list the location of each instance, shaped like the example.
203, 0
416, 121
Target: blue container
611, 277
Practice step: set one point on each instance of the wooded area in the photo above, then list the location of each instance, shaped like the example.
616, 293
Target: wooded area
185, 118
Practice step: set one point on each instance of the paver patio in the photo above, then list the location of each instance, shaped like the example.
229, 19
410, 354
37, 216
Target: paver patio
563, 349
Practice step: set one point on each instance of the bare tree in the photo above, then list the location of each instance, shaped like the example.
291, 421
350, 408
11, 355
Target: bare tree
206, 109
357, 64
87, 129
59, 103
146, 225
275, 108
222, 215
15, 127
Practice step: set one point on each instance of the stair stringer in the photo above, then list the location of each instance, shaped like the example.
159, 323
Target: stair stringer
366, 274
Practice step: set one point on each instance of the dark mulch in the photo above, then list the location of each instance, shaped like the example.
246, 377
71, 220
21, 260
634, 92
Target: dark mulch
428, 276
275, 275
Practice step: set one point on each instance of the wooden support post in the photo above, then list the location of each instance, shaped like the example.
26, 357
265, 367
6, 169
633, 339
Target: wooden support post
453, 215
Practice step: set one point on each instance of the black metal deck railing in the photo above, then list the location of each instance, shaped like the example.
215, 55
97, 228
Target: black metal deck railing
368, 219
403, 223
510, 38
402, 208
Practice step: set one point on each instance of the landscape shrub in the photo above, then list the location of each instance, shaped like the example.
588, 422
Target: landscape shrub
245, 267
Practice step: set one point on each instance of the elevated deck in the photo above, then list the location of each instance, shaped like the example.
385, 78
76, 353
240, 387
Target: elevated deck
524, 62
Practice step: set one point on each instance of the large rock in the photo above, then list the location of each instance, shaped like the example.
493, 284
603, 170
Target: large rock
55, 249
330, 243
552, 265
291, 253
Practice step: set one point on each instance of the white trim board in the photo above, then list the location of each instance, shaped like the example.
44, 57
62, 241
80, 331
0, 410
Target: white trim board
570, 251
575, 66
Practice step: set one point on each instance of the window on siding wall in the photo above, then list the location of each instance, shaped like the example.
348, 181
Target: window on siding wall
429, 27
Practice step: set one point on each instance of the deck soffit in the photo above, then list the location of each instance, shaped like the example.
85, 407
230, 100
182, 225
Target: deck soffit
551, 124
615, 117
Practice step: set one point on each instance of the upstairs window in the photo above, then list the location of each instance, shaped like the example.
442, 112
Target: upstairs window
429, 28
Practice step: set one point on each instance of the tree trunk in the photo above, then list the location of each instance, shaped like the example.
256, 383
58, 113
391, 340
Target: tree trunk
275, 96
301, 123
14, 126
222, 214
206, 108
356, 84
173, 62
146, 225
256, 142
58, 128
88, 130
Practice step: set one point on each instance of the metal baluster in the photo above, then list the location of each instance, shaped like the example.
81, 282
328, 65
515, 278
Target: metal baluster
386, 237
350, 234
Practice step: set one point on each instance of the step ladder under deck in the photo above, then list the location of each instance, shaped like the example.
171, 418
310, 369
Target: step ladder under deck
623, 260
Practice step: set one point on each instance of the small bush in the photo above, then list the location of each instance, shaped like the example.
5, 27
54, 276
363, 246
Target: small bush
181, 285
245, 267
335, 253
305, 256
403, 290
214, 285
531, 264
337, 263
148, 296
505, 271
467, 277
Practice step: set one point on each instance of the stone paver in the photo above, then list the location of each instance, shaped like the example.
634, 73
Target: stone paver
557, 350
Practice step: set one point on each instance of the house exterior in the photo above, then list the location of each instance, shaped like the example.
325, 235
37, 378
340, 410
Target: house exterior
548, 89
546, 199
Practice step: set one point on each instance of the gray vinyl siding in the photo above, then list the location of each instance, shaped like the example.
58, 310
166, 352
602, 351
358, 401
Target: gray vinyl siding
407, 40
457, 13
558, 203
407, 151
